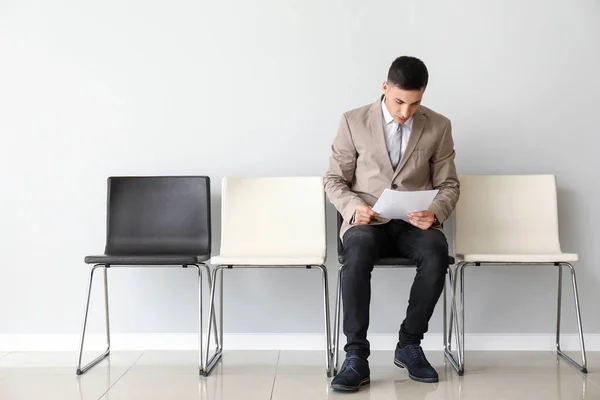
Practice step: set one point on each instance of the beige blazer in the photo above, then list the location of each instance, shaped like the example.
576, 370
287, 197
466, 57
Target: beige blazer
360, 167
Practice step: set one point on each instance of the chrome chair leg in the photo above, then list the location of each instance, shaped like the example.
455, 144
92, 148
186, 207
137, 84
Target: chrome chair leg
200, 302
327, 317
218, 338
460, 275
336, 325
455, 361
221, 312
209, 364
583, 366
200, 319
82, 370
461, 329
446, 333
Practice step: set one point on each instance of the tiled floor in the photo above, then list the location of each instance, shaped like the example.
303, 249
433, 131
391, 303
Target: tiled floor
289, 375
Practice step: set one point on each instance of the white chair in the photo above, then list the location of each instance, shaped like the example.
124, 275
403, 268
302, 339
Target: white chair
510, 220
271, 223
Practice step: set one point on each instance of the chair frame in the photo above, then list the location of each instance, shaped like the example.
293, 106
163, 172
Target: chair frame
447, 337
447, 333
218, 273
105, 267
459, 359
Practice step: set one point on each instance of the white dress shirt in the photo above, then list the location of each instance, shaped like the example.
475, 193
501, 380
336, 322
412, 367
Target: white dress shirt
391, 131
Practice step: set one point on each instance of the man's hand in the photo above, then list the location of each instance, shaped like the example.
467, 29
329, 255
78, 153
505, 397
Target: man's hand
422, 219
363, 214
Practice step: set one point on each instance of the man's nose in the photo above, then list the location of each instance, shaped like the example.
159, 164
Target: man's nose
404, 111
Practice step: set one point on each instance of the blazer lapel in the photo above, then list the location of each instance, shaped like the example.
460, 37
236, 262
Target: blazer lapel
415, 135
376, 123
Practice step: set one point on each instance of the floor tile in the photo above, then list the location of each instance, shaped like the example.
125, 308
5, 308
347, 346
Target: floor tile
64, 363
161, 385
248, 362
235, 387
518, 387
515, 362
172, 362
186, 362
483, 362
382, 387
593, 365
57, 387
289, 375
382, 362
301, 362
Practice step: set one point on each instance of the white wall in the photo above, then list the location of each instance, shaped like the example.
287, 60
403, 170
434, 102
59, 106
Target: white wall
232, 87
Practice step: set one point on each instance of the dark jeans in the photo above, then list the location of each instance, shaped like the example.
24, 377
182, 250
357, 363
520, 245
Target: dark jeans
363, 244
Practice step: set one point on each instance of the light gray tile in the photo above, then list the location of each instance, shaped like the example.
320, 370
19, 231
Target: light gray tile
161, 384
555, 386
515, 362
62, 362
382, 387
593, 365
25, 386
301, 362
251, 362
186, 362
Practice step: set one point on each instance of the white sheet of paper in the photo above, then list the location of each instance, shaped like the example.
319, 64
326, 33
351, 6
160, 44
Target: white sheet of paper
394, 204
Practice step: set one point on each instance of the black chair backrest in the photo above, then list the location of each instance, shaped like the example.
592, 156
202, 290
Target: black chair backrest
167, 215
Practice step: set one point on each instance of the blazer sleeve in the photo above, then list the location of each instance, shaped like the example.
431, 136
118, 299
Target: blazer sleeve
340, 175
444, 177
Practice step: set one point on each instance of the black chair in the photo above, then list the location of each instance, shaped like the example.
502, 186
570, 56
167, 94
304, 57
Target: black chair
153, 221
391, 262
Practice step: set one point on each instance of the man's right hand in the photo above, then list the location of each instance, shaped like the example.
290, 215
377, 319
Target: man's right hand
363, 215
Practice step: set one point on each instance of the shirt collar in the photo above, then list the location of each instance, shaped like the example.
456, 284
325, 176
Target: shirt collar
388, 119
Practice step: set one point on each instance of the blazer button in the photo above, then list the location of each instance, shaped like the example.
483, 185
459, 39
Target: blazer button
394, 186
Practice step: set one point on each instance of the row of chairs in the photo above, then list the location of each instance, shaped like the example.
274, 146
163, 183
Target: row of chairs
281, 223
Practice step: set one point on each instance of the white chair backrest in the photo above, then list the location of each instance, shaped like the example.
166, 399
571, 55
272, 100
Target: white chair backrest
273, 217
506, 214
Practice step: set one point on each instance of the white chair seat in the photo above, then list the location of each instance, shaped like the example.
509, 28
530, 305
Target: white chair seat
519, 258
268, 261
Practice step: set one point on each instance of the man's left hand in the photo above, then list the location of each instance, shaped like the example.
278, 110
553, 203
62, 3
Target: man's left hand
422, 219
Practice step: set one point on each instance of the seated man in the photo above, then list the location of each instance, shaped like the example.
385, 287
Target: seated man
394, 143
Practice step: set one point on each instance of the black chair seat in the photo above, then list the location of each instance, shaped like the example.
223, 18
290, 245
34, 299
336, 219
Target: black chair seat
146, 260
391, 261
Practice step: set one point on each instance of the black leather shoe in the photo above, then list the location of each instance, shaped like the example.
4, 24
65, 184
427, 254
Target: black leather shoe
354, 373
413, 359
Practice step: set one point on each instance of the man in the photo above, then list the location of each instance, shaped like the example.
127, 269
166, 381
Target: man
394, 143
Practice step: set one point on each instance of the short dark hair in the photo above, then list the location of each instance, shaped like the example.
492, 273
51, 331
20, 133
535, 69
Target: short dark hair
408, 73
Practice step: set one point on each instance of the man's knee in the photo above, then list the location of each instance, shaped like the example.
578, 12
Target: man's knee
360, 247
431, 250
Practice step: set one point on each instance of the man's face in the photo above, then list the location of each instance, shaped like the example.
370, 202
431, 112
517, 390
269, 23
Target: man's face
402, 104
